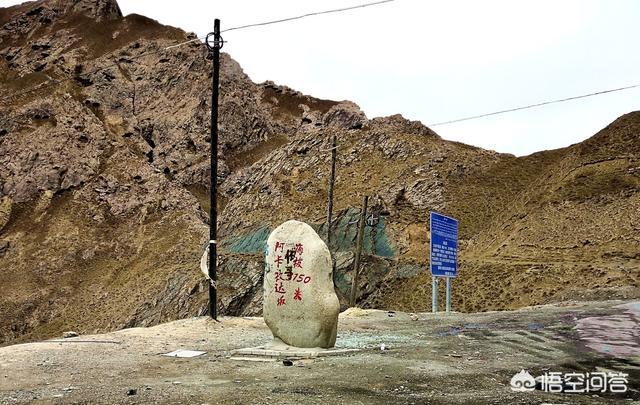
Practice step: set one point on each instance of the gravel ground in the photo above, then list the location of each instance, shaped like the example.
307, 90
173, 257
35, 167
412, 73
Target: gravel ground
444, 358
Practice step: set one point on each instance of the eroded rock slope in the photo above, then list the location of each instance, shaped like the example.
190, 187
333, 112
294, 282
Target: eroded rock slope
104, 186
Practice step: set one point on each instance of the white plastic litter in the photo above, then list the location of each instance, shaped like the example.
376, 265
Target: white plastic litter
184, 353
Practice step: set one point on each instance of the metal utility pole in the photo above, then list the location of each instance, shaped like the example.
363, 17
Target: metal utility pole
448, 296
356, 262
332, 180
214, 46
434, 294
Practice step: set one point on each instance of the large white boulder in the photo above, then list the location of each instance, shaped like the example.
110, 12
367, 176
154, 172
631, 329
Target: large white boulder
300, 304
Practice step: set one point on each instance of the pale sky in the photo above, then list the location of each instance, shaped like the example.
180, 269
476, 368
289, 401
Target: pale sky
435, 61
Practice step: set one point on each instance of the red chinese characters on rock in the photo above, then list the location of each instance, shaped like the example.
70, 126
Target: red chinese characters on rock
292, 259
279, 289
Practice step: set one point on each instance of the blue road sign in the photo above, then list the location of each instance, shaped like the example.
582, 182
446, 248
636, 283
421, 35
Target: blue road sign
444, 246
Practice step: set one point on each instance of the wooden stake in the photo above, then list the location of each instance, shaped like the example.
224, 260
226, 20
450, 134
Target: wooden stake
356, 263
332, 181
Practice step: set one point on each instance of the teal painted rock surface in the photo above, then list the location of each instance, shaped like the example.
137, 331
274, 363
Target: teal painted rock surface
343, 236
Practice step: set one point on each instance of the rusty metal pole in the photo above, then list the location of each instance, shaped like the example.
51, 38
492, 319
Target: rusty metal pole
214, 48
332, 181
356, 262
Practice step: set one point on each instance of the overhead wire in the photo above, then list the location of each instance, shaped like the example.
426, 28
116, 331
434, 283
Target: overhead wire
52, 82
561, 100
298, 17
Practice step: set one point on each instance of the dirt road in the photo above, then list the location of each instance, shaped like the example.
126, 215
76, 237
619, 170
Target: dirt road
455, 358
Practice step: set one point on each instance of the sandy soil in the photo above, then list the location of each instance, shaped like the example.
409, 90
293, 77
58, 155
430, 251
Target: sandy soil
454, 358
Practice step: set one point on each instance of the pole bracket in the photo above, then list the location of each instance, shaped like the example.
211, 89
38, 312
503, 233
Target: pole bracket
216, 43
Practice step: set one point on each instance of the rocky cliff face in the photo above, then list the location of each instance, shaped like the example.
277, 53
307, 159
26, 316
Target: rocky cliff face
104, 186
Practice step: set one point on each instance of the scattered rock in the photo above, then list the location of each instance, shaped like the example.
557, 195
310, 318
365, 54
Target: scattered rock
345, 115
4, 247
6, 204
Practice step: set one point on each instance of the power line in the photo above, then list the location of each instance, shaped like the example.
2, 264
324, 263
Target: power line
337, 10
52, 82
561, 100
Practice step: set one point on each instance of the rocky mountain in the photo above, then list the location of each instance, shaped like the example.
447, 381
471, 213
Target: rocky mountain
104, 154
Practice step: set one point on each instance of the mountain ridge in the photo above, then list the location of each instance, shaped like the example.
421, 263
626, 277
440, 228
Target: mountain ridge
104, 187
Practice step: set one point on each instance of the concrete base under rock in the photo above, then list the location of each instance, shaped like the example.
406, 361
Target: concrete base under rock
277, 350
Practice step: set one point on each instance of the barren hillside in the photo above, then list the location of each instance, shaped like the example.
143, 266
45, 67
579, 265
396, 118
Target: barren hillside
104, 187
